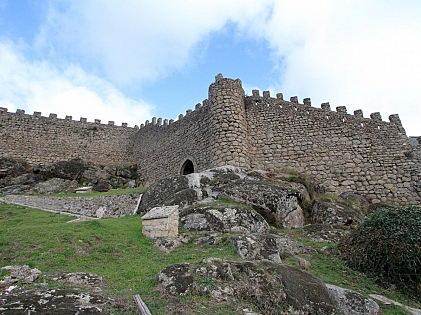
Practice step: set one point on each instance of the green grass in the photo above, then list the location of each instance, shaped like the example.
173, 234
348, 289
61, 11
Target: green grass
113, 248
116, 250
112, 192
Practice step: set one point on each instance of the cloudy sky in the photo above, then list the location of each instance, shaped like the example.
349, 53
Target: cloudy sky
130, 60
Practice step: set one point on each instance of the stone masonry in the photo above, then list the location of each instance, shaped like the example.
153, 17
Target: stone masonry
342, 151
161, 222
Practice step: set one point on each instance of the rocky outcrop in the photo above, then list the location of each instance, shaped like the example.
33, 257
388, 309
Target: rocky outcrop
84, 297
270, 287
224, 218
267, 247
334, 213
63, 176
277, 202
72, 170
324, 233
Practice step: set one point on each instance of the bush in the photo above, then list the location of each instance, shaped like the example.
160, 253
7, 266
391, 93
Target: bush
388, 247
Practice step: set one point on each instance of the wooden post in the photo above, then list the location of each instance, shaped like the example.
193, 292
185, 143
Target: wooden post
141, 305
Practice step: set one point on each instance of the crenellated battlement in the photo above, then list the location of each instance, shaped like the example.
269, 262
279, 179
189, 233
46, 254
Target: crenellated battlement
38, 115
340, 150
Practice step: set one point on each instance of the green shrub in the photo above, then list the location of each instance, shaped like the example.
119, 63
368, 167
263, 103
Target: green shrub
388, 247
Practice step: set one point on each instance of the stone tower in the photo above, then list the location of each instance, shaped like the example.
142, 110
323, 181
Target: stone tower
228, 123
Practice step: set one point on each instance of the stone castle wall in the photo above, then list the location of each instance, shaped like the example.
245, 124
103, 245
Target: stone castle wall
42, 140
162, 147
342, 151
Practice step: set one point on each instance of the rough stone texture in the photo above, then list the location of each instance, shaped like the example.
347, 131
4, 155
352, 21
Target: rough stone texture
278, 205
23, 274
343, 152
270, 287
101, 206
277, 201
353, 303
334, 213
72, 169
43, 140
55, 185
267, 246
323, 233
161, 222
224, 219
47, 298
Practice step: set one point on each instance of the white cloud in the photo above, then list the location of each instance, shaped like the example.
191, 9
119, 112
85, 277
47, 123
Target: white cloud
139, 40
358, 53
38, 86
361, 54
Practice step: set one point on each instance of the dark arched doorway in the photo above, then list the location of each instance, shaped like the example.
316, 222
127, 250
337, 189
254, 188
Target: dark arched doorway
187, 168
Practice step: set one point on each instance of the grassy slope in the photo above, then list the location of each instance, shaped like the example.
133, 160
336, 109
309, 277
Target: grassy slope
117, 250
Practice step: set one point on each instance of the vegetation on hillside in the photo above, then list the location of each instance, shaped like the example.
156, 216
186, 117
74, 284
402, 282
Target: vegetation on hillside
388, 247
116, 250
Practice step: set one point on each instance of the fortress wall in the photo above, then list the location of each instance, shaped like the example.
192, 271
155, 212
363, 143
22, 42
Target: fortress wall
161, 147
228, 123
347, 152
42, 140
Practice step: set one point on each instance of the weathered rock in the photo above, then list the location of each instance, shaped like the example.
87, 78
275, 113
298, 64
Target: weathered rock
166, 192
176, 279
271, 288
334, 213
267, 246
123, 172
11, 168
54, 301
102, 186
79, 279
278, 205
360, 200
353, 303
24, 274
323, 233
229, 218
72, 170
55, 185
15, 189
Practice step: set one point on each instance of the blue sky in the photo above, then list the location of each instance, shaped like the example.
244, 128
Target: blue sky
130, 60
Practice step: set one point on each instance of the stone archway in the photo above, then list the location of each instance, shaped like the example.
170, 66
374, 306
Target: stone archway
187, 168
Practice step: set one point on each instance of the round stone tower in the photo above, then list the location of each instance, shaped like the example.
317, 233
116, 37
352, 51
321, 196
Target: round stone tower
228, 123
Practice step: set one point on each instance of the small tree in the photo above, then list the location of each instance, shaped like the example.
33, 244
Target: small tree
388, 247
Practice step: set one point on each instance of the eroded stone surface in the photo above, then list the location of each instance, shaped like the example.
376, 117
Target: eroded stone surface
268, 286
353, 303
229, 218
334, 213
267, 246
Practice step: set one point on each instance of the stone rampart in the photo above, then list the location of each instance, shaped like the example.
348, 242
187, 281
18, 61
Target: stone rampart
100, 206
42, 140
345, 152
162, 148
342, 151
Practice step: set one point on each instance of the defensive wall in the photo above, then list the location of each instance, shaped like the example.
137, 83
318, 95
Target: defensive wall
342, 151
42, 140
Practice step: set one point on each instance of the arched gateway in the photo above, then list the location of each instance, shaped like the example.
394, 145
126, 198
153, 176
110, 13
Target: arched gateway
187, 168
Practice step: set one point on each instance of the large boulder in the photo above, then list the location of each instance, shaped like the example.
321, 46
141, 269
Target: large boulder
72, 170
224, 218
277, 202
335, 213
12, 168
269, 287
55, 185
169, 191
267, 246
